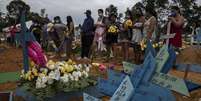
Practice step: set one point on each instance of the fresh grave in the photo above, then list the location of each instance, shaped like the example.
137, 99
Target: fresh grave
155, 77
139, 85
165, 60
192, 67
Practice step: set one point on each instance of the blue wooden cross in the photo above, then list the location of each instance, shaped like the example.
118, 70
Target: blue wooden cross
109, 86
170, 62
144, 90
150, 49
25, 37
144, 73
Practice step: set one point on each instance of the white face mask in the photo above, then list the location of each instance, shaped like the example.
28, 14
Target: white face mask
57, 21
100, 14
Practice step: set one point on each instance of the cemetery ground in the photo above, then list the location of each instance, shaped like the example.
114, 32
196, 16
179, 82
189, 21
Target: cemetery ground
11, 61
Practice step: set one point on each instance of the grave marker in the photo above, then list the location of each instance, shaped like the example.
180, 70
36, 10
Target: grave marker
115, 78
105, 87
124, 92
163, 37
145, 73
162, 58
150, 49
170, 82
152, 92
129, 67
170, 62
87, 97
110, 85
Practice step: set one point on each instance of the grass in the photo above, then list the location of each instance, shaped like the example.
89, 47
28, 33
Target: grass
9, 77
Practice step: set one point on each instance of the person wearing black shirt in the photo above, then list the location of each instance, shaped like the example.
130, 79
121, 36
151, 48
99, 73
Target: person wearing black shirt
87, 35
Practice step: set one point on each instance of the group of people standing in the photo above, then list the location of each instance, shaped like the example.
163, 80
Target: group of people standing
109, 30
55, 35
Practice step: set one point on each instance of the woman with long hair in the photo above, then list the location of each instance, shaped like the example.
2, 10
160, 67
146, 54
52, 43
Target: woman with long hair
150, 24
138, 35
69, 36
127, 34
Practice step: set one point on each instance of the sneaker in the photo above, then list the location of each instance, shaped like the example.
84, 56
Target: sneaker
86, 58
111, 54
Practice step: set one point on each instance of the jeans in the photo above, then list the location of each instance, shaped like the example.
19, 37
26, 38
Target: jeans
86, 43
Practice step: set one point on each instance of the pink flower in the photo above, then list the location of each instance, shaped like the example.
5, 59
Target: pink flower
102, 67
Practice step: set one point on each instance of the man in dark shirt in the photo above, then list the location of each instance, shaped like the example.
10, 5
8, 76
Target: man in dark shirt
36, 29
87, 34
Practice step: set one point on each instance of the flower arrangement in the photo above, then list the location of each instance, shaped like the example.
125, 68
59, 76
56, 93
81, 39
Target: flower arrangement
143, 45
113, 29
129, 23
58, 76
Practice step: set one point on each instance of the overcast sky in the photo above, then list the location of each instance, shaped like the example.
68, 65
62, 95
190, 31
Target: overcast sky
76, 8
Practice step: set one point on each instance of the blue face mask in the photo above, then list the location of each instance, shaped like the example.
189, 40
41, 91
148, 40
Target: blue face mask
173, 14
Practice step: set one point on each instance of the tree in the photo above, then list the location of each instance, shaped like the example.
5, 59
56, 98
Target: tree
15, 8
111, 10
138, 8
189, 8
42, 12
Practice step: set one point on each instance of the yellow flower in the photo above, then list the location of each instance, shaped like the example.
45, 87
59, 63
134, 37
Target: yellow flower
157, 45
62, 70
28, 76
44, 72
113, 29
41, 75
32, 64
95, 64
70, 62
69, 68
154, 46
145, 46
50, 62
35, 71
129, 23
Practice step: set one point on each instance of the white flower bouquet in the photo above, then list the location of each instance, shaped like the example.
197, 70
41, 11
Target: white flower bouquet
58, 76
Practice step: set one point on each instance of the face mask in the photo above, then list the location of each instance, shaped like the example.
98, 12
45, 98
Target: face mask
100, 14
173, 14
87, 15
128, 17
57, 21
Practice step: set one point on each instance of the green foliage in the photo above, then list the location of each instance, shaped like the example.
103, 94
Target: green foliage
189, 9
16, 6
111, 10
14, 9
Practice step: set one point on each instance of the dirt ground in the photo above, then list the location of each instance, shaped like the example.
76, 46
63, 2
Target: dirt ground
11, 60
